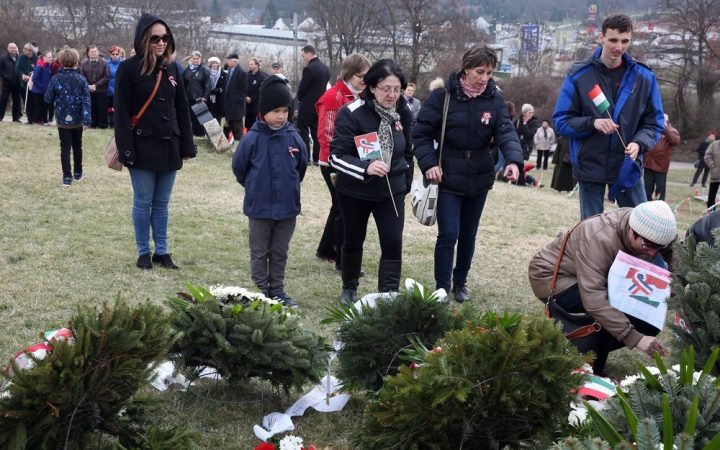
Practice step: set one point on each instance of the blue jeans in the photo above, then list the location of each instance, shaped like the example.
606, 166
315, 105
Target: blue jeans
592, 198
150, 207
458, 217
500, 164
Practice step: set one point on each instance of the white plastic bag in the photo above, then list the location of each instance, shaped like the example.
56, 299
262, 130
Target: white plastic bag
423, 198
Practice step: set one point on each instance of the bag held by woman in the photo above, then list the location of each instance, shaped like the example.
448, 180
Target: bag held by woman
111, 153
423, 198
423, 194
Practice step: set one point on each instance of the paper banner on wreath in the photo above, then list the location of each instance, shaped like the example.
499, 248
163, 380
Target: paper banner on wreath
639, 288
276, 422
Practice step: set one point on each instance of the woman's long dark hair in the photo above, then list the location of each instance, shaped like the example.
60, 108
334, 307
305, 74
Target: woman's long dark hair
378, 72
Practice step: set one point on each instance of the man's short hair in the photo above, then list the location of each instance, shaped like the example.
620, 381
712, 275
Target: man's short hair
68, 57
256, 60
309, 49
620, 22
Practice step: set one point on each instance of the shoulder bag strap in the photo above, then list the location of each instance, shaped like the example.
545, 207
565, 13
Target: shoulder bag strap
136, 118
582, 331
442, 133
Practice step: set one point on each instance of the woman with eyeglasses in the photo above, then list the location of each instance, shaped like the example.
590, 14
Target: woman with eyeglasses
348, 87
116, 57
581, 283
154, 147
476, 116
371, 150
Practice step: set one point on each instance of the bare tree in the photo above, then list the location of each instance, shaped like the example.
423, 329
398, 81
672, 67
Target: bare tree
692, 23
345, 27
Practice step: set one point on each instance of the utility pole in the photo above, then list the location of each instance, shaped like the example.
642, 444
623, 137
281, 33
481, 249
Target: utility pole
295, 50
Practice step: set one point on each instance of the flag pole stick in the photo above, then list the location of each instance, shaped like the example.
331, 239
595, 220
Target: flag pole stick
391, 195
616, 130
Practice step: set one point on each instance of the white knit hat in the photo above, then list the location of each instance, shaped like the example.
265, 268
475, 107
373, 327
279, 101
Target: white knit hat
213, 59
654, 221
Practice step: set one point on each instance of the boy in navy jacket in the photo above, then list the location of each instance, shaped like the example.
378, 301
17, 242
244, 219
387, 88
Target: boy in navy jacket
270, 162
69, 90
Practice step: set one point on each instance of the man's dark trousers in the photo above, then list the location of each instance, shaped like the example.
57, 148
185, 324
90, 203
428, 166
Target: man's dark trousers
309, 122
7, 91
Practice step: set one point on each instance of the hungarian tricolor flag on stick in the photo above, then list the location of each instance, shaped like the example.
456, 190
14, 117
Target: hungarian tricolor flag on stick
598, 98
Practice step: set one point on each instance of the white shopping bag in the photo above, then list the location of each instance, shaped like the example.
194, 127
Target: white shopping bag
639, 288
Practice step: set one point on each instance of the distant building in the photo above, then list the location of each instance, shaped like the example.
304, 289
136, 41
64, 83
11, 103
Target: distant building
244, 16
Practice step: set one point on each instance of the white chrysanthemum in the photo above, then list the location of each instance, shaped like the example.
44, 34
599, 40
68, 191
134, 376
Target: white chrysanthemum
291, 443
577, 416
654, 370
629, 381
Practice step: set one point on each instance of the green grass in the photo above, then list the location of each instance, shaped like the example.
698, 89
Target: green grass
64, 246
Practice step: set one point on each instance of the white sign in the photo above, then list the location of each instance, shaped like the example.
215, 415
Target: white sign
639, 288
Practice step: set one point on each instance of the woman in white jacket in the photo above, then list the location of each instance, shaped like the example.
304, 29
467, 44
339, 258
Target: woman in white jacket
544, 139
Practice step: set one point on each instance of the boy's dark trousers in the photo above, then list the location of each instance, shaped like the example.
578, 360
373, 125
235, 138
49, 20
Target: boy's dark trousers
71, 137
269, 245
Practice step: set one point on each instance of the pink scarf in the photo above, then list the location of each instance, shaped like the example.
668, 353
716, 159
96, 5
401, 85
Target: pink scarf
469, 90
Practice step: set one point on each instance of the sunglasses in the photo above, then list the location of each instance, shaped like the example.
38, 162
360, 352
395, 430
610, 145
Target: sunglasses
154, 39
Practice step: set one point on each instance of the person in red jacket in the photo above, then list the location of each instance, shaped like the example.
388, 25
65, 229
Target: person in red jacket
657, 162
348, 87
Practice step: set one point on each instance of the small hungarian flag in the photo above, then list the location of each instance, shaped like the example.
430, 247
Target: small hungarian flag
231, 138
599, 99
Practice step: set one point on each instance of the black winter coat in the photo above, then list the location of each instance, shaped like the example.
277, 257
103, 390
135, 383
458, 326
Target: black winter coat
526, 134
313, 84
197, 83
254, 81
702, 229
355, 119
471, 124
216, 107
235, 99
163, 137
7, 72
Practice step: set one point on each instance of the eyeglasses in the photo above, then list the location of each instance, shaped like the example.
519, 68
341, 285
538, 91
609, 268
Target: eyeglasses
648, 244
154, 39
389, 90
359, 75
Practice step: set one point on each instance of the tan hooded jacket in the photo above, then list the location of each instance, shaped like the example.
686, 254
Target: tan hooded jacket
589, 253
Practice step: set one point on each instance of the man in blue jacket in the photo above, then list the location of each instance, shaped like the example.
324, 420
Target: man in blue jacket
606, 147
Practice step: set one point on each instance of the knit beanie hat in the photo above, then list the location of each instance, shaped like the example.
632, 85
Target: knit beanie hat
654, 221
274, 93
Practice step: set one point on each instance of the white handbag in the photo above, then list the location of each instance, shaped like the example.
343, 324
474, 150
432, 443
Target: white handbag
424, 194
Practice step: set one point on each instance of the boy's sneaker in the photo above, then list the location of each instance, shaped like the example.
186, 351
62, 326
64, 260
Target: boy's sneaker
79, 176
67, 181
285, 299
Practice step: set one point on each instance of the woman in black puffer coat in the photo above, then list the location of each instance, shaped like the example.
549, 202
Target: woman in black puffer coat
376, 186
476, 114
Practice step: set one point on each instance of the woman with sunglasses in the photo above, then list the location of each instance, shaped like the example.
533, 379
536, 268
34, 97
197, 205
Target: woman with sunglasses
116, 57
582, 278
371, 150
348, 87
476, 116
154, 147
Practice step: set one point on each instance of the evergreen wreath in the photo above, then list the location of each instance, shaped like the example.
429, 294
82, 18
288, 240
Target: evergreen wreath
373, 338
696, 299
88, 384
244, 335
507, 382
